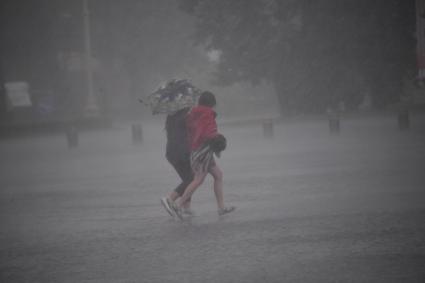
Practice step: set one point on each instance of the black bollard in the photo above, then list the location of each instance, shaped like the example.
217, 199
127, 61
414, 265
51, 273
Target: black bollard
137, 133
334, 124
403, 119
268, 131
72, 137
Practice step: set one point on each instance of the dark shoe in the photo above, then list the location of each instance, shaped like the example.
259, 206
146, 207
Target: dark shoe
226, 210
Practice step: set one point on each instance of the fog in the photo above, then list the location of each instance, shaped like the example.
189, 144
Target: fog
135, 47
328, 193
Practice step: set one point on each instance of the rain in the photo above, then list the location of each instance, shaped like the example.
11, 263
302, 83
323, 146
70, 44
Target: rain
321, 103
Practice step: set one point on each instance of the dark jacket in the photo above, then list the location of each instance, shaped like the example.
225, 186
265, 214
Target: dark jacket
177, 135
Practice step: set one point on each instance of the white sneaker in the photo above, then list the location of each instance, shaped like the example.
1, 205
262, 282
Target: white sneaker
164, 202
176, 210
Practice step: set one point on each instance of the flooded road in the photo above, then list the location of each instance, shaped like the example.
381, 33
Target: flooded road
311, 207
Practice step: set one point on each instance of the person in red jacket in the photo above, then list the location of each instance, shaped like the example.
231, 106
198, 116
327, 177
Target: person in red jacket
203, 136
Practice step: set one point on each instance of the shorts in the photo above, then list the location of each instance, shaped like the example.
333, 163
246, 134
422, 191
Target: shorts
202, 159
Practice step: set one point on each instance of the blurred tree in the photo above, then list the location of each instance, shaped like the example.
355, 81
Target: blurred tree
135, 45
139, 44
315, 53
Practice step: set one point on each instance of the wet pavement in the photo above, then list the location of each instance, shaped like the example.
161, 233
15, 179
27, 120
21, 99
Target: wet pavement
311, 207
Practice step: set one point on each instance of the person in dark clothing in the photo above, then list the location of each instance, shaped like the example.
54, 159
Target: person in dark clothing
178, 155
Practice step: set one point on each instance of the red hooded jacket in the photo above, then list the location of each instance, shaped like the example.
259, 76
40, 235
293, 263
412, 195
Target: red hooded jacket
201, 125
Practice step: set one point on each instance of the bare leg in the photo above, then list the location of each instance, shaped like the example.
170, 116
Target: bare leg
197, 181
186, 204
218, 185
174, 195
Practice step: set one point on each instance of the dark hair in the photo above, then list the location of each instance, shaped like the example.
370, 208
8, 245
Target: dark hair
207, 99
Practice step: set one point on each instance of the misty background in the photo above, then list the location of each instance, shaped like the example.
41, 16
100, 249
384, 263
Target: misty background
321, 102
135, 47
260, 57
